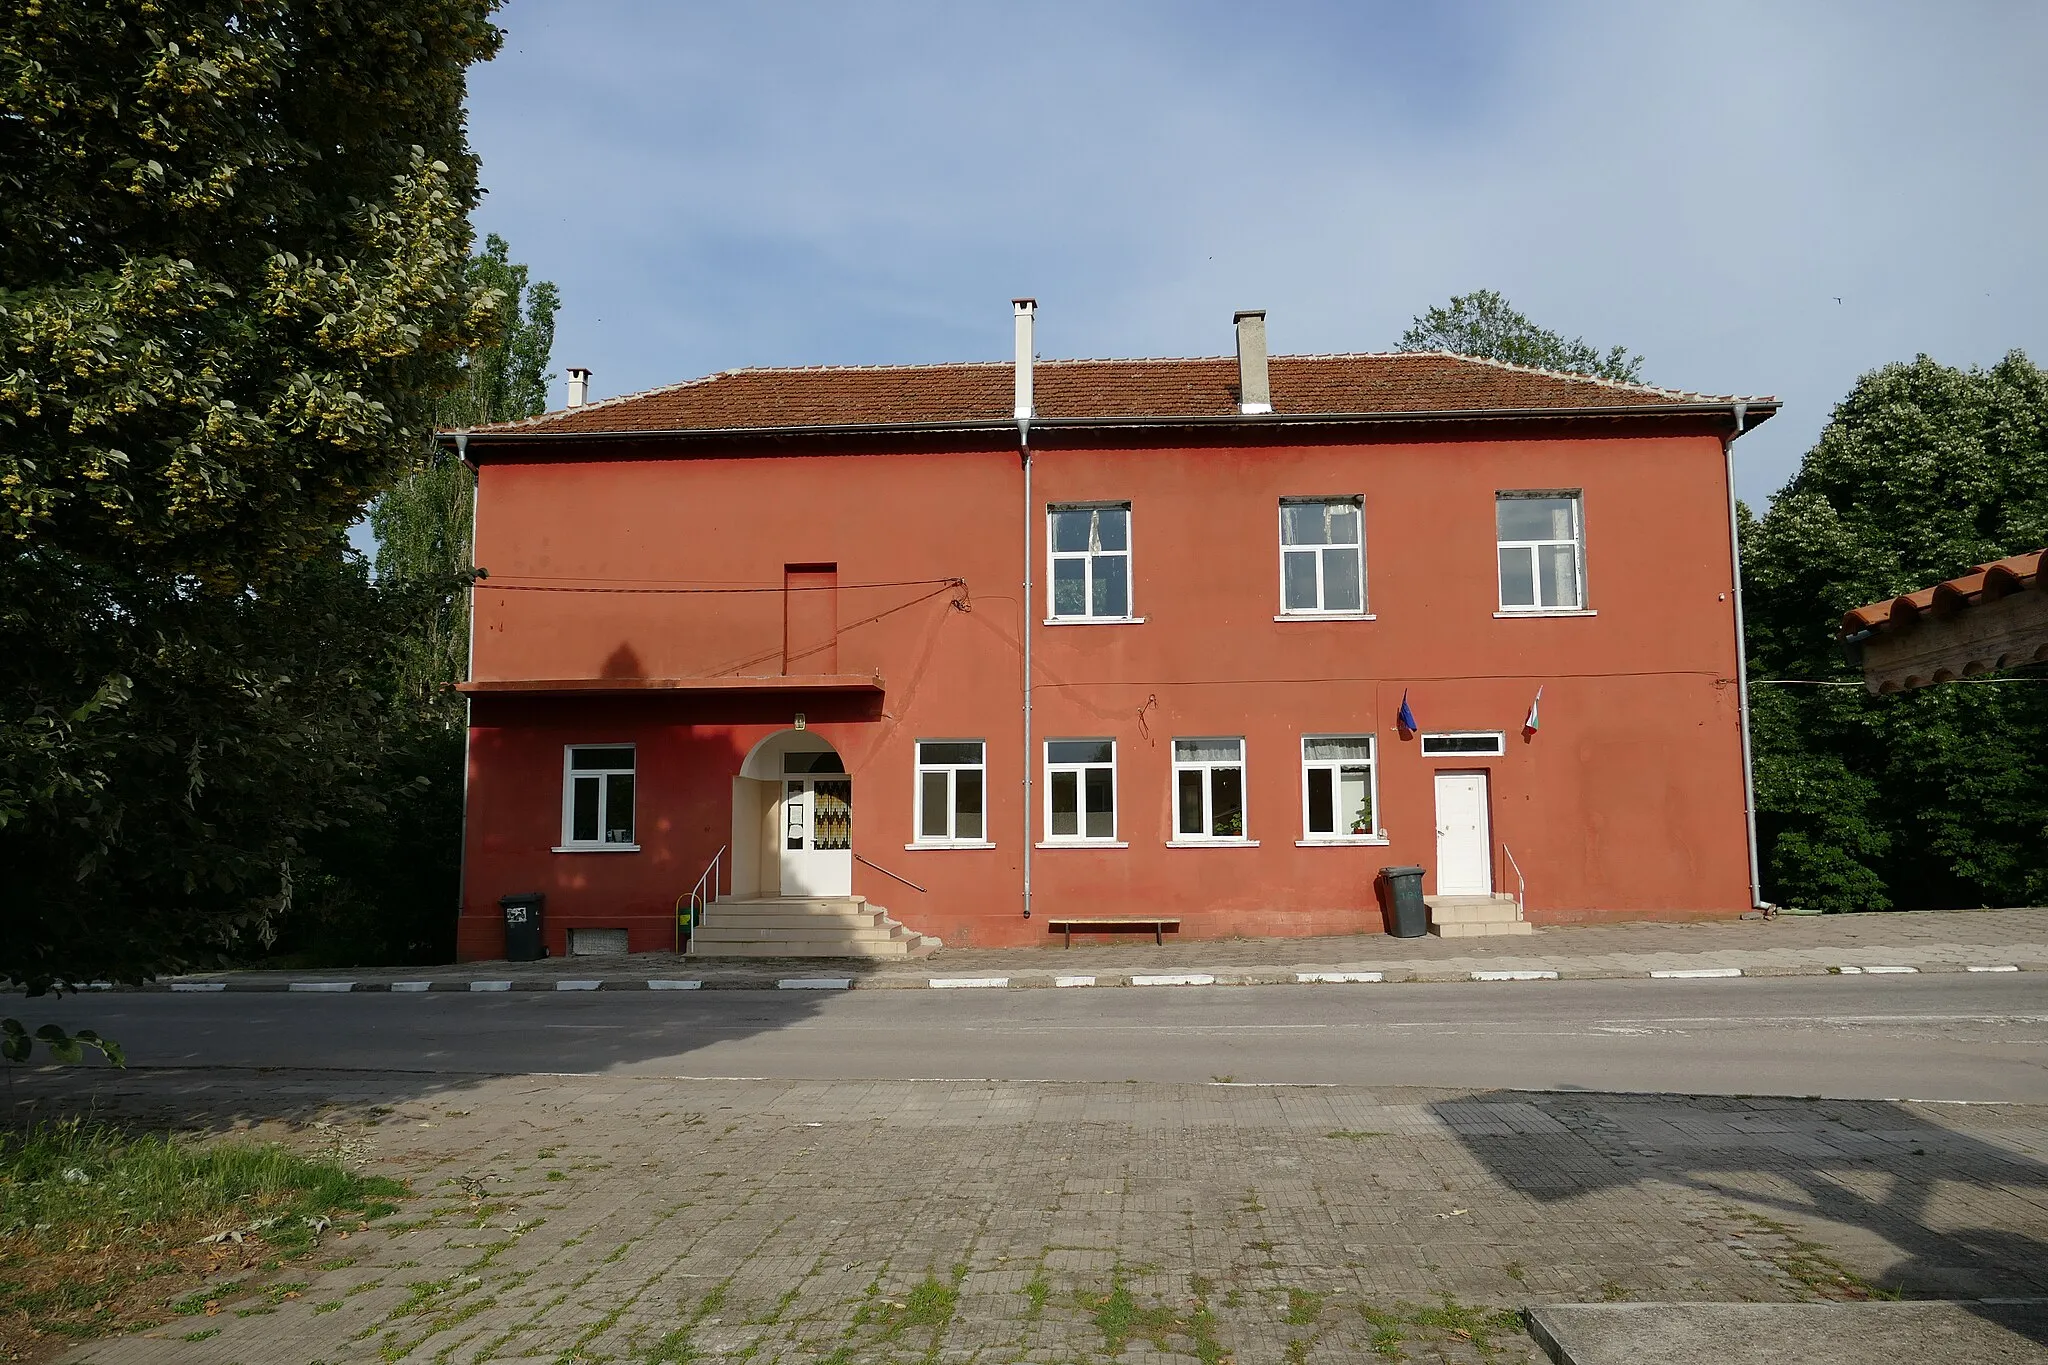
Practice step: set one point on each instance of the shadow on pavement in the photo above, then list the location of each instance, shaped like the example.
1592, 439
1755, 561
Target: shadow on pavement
1905, 1185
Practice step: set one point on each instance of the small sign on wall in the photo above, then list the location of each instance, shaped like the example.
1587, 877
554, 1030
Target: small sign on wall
799, 720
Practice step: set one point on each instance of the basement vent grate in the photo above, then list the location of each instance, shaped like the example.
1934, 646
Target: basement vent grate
596, 942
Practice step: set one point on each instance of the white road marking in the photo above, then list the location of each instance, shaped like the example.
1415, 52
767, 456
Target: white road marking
1697, 973
1175, 979
1336, 978
411, 985
1514, 976
490, 985
335, 986
675, 985
2007, 967
1073, 981
577, 985
814, 983
964, 983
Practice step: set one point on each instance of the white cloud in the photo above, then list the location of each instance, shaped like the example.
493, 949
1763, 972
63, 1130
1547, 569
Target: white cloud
714, 186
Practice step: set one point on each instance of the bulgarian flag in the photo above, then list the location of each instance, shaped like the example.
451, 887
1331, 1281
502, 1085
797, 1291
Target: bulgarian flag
1529, 723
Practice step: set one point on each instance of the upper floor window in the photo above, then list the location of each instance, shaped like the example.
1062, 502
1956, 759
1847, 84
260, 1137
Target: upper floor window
951, 775
1080, 789
1542, 544
1091, 562
1339, 789
1322, 556
597, 796
1208, 789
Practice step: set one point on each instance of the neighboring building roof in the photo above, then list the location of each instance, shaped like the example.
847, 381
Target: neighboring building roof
1991, 618
1984, 583
1427, 383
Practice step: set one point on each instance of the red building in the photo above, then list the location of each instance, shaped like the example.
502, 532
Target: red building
785, 615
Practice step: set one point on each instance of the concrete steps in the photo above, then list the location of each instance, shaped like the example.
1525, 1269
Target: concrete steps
1475, 916
805, 926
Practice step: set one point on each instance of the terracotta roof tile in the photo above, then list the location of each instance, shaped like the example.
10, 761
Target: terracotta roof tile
1983, 583
903, 395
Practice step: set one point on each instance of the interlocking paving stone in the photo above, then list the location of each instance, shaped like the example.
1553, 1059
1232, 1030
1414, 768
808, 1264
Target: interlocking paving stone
787, 1221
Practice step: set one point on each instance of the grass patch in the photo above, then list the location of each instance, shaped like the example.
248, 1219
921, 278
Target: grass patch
1444, 1324
100, 1226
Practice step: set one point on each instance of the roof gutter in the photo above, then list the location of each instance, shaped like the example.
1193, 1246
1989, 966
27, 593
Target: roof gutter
1757, 410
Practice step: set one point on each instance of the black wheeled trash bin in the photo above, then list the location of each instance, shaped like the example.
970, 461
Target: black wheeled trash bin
522, 927
1407, 916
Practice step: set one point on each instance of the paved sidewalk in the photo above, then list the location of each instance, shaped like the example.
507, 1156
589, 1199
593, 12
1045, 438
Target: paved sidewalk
1955, 940
611, 1218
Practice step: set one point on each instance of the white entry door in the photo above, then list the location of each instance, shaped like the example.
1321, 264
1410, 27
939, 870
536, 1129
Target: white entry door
817, 836
1464, 838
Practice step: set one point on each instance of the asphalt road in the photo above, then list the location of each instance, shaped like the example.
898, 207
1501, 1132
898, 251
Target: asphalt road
1936, 1037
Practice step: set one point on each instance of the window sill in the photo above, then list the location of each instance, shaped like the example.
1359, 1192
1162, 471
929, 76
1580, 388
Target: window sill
1094, 620
1544, 611
597, 848
1327, 616
1212, 843
938, 845
1083, 843
1345, 841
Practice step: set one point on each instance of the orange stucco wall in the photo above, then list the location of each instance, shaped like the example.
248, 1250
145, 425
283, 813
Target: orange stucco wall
1627, 803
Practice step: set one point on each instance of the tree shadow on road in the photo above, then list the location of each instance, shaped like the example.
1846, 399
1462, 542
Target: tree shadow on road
1914, 1186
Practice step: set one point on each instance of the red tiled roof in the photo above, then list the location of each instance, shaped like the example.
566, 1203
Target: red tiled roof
1985, 583
1103, 390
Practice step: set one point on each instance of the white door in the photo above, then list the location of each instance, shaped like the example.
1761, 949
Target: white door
817, 836
1464, 840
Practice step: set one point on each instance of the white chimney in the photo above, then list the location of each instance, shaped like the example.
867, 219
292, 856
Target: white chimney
579, 386
1027, 314
1254, 388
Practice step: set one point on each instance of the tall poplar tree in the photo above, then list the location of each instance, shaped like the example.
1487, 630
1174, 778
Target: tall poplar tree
423, 524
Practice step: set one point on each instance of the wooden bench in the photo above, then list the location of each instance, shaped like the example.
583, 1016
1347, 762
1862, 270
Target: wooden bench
1158, 924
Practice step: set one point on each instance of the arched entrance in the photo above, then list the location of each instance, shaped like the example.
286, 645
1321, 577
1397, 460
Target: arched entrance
793, 810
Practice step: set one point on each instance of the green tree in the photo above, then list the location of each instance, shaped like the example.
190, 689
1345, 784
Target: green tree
423, 523
233, 289
1921, 799
1484, 324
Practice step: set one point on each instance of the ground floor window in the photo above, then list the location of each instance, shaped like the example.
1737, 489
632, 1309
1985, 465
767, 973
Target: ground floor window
951, 777
597, 796
1080, 789
1208, 785
1339, 789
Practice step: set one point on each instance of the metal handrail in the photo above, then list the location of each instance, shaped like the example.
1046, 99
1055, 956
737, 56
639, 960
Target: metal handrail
887, 873
693, 901
1521, 883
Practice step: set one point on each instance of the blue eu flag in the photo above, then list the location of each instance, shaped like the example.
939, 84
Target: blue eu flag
1407, 716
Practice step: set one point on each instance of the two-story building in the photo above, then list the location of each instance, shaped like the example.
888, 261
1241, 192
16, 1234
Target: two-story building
993, 644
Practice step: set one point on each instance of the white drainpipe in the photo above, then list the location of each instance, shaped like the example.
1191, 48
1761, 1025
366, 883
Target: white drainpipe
1756, 885
1026, 317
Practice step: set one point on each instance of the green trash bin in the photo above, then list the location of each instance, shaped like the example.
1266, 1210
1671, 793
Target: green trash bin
1406, 915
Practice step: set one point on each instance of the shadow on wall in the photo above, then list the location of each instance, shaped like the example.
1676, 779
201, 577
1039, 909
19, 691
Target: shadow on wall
1883, 1170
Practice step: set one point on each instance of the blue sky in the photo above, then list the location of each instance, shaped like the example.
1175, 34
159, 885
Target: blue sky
788, 184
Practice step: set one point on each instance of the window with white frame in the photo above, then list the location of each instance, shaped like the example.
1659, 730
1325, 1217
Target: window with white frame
1542, 544
1091, 562
597, 796
1080, 789
1208, 789
951, 778
1322, 556
1339, 787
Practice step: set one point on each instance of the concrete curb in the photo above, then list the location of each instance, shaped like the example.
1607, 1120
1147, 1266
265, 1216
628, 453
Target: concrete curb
1252, 976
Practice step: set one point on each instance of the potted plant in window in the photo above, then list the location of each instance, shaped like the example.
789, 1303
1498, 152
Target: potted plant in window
1231, 825
1361, 823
